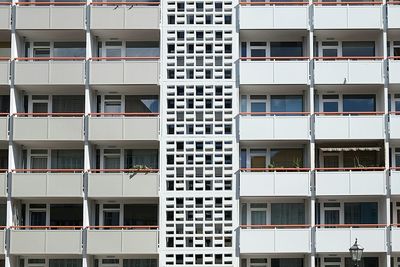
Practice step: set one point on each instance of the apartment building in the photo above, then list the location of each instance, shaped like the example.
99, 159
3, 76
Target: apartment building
199, 133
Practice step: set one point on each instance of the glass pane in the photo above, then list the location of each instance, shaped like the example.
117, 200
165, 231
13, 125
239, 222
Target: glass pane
111, 218
66, 215
113, 52
290, 262
40, 107
361, 213
65, 263
140, 263
38, 162
332, 217
355, 103
69, 49
330, 106
258, 217
67, 159
68, 103
142, 49
258, 161
331, 161
38, 218
329, 52
258, 52
112, 107
358, 48
286, 49
286, 103
112, 162
141, 104
3, 214
41, 52
258, 107
141, 158
140, 214
287, 213
287, 158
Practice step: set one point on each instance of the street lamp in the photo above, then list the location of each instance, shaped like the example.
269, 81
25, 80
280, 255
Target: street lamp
356, 252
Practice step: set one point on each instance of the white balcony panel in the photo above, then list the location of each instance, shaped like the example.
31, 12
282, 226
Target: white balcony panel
349, 72
331, 240
4, 69
274, 128
275, 241
350, 127
348, 17
274, 184
3, 184
394, 69
394, 126
3, 128
125, 17
49, 72
124, 72
46, 241
5, 17
395, 239
274, 72
395, 182
273, 17
2, 240
48, 128
50, 17
346, 183
123, 128
393, 16
47, 184
123, 185
122, 242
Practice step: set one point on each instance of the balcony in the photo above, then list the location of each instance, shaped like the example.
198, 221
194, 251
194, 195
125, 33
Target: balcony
46, 240
349, 125
349, 70
394, 68
32, 183
356, 15
339, 239
350, 181
2, 239
125, 16
260, 126
45, 17
122, 240
285, 15
128, 127
48, 127
4, 68
127, 71
50, 71
125, 183
274, 182
3, 127
254, 240
272, 70
3, 183
395, 181
5, 16
393, 15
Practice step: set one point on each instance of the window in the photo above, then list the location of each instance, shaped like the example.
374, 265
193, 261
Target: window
37, 215
142, 49
396, 48
331, 213
330, 103
41, 49
365, 262
110, 214
358, 103
68, 103
258, 49
140, 214
3, 214
113, 49
112, 104
258, 103
141, 158
258, 213
258, 262
330, 49
66, 214
36, 263
258, 158
361, 213
141, 104
287, 213
38, 159
286, 49
65, 263
140, 263
332, 262
112, 159
40, 104
69, 49
397, 157
358, 49
67, 159
292, 262
286, 103
287, 158
396, 103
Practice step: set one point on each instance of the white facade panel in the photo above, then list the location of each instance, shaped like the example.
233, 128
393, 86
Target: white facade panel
349, 72
331, 240
348, 17
273, 17
348, 183
395, 182
394, 69
274, 72
350, 127
274, 184
4, 70
394, 126
275, 240
3, 128
3, 184
274, 128
393, 16
5, 17
395, 231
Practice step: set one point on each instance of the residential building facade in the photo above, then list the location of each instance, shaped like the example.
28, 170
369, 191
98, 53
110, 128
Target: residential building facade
199, 133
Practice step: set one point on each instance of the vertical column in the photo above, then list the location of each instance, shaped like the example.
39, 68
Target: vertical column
87, 147
387, 136
312, 133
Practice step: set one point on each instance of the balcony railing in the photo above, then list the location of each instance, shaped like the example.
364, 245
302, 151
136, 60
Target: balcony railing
349, 125
394, 67
252, 238
4, 70
395, 235
3, 182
